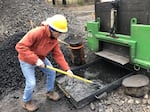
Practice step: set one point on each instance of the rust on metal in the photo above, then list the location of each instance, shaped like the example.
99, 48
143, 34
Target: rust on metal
77, 50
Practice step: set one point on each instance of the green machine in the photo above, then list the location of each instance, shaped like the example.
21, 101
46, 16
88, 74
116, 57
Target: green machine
121, 32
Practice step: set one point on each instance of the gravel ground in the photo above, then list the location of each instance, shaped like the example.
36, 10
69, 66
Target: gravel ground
15, 19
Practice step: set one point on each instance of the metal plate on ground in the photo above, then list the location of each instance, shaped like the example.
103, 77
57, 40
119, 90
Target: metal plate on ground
107, 75
114, 57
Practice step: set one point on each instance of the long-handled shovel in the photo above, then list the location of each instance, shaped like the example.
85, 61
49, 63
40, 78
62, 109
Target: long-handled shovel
74, 76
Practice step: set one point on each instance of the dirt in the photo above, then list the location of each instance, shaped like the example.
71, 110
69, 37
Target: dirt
18, 17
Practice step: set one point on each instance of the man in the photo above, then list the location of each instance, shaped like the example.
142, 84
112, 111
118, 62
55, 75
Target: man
32, 51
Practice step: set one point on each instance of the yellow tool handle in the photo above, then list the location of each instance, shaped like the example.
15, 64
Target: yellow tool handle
66, 73
83, 79
63, 42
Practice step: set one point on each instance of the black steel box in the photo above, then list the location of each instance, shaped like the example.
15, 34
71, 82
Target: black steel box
109, 77
126, 10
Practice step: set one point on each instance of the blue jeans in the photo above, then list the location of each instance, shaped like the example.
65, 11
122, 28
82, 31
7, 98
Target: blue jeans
28, 71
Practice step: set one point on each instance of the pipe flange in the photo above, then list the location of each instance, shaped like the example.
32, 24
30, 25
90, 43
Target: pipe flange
137, 67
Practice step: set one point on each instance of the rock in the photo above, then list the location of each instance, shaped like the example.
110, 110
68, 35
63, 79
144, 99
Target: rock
146, 96
92, 106
100, 108
148, 101
136, 85
144, 101
130, 101
120, 103
109, 110
137, 101
136, 92
108, 102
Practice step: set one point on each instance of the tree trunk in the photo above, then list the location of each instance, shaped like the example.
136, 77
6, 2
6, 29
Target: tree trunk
64, 2
53, 1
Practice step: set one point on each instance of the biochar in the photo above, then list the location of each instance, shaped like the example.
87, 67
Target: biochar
101, 73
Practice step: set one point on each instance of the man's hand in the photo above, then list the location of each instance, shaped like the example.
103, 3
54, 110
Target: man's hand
40, 63
70, 73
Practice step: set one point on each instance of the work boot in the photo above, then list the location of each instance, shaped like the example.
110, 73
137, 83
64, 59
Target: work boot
30, 106
53, 95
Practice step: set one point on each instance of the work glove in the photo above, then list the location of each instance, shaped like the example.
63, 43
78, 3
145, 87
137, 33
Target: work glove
70, 73
40, 63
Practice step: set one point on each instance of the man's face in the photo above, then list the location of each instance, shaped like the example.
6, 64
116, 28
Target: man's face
55, 34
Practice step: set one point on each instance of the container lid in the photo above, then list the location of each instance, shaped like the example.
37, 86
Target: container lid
137, 80
74, 40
